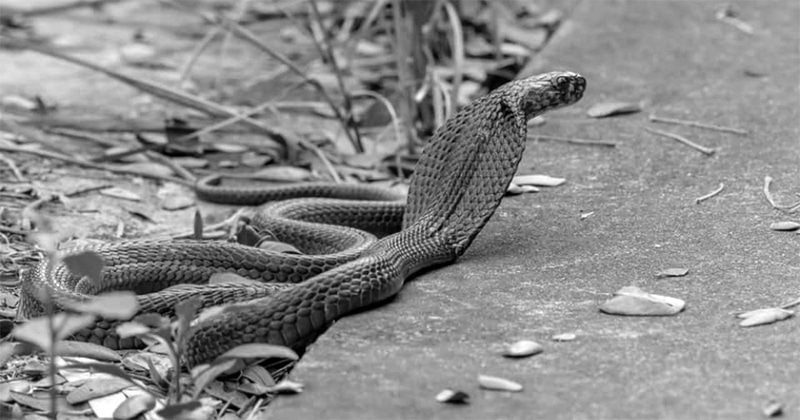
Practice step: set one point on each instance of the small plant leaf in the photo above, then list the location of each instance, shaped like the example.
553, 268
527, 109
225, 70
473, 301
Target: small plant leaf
259, 351
154, 375
204, 376
185, 311
92, 351
134, 406
180, 411
113, 305
258, 374
86, 263
37, 330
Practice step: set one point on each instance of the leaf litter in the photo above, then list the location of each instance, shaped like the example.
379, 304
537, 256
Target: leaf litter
631, 300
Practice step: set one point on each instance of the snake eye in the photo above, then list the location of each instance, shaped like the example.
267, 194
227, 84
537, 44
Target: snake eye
562, 83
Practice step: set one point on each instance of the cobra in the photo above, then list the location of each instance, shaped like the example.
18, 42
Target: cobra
361, 243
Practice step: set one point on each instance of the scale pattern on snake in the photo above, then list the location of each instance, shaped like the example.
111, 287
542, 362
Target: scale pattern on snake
458, 183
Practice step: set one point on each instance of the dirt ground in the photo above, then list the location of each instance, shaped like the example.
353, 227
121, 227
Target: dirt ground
547, 261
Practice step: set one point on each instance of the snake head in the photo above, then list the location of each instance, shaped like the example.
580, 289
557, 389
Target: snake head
549, 91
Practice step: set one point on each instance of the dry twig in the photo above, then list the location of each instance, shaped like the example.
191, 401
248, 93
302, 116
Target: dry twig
14, 169
705, 150
79, 162
719, 189
655, 118
573, 141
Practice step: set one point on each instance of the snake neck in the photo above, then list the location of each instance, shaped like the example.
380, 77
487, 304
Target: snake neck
465, 169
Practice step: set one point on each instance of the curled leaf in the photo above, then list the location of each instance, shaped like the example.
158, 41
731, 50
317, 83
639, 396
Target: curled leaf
632, 300
764, 316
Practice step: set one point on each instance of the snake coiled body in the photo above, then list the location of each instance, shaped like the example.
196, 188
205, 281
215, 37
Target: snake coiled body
461, 177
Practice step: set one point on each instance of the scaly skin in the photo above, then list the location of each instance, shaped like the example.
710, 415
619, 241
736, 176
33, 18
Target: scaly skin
458, 183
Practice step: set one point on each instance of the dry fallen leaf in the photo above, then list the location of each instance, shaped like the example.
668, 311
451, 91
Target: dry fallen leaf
608, 109
134, 406
764, 316
785, 226
673, 272
631, 300
538, 180
287, 387
564, 337
124, 194
498, 384
773, 409
97, 388
452, 397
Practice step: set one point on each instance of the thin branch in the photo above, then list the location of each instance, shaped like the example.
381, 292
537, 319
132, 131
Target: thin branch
14, 169
389, 108
458, 52
655, 118
705, 150
569, 140
337, 71
161, 91
63, 158
55, 8
198, 50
